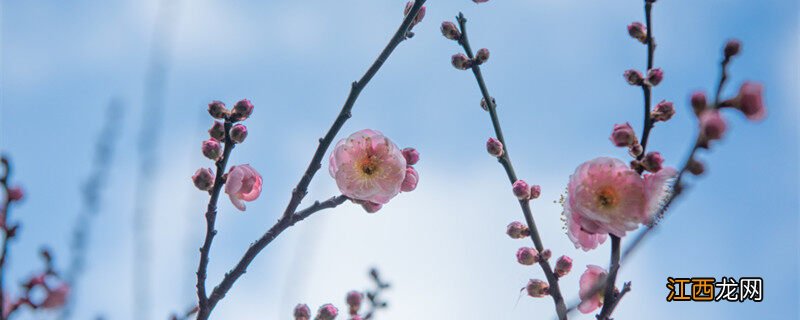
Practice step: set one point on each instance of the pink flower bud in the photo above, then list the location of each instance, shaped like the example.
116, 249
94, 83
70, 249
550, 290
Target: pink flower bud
563, 266
327, 312
494, 147
15, 194
484, 106
521, 190
527, 256
517, 230
652, 161
635, 150
411, 155
546, 254
482, 56
696, 167
622, 135
732, 48
699, 102
450, 31
750, 101
212, 149
638, 31
353, 300
56, 298
537, 288
302, 312
420, 14
461, 62
371, 207
634, 77
712, 125
654, 76
217, 110
217, 131
243, 184
410, 181
242, 110
663, 111
536, 191
203, 179
238, 133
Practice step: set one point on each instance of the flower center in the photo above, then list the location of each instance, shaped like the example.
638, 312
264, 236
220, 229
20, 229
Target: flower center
607, 197
369, 165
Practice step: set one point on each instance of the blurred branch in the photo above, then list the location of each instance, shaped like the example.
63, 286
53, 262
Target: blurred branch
91, 195
291, 215
375, 301
7, 233
149, 138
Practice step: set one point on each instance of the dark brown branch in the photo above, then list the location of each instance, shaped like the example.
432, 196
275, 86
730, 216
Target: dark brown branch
610, 294
646, 88
505, 161
4, 212
290, 215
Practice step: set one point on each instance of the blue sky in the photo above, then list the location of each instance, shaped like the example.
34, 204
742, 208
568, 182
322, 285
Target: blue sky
555, 71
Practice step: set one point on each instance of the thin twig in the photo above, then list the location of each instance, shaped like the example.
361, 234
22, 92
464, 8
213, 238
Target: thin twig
373, 296
6, 174
505, 161
610, 296
646, 88
290, 215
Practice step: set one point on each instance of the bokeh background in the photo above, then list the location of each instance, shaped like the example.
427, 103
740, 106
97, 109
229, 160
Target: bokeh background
555, 71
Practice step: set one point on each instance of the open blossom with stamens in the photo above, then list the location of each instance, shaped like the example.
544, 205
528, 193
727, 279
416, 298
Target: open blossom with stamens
368, 167
243, 184
605, 195
593, 276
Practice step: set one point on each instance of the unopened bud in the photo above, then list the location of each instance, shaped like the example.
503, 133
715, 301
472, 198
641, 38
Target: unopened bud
537, 288
652, 161
638, 31
217, 110
242, 110
15, 194
482, 56
663, 111
302, 312
654, 76
695, 167
622, 135
546, 254
527, 256
238, 133
634, 77
420, 14
699, 102
517, 230
712, 125
732, 48
410, 181
461, 62
353, 300
536, 191
217, 131
635, 150
521, 190
494, 147
750, 101
411, 155
485, 106
327, 312
563, 266
212, 149
203, 179
450, 31
371, 207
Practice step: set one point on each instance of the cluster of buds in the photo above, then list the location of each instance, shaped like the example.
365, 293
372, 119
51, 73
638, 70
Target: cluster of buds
354, 300
635, 78
461, 62
56, 290
418, 18
523, 191
517, 230
623, 136
325, 312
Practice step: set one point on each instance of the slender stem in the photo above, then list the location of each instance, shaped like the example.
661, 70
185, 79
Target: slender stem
505, 161
5, 232
610, 296
211, 217
646, 88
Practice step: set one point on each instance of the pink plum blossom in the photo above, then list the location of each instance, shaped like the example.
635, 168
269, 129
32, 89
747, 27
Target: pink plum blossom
410, 182
590, 278
244, 184
56, 298
751, 101
605, 195
368, 167
712, 125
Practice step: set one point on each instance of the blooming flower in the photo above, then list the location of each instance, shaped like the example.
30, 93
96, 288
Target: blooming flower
243, 184
604, 195
593, 276
368, 167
